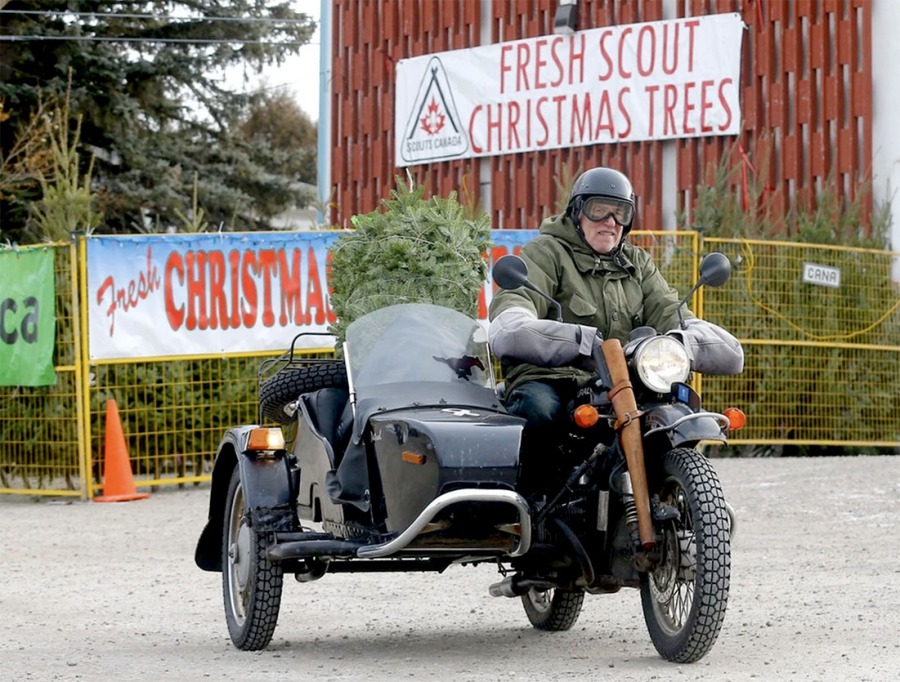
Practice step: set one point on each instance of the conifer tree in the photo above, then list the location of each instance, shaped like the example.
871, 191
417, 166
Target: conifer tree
148, 88
412, 250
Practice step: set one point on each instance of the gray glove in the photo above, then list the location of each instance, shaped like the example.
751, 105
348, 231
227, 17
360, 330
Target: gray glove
517, 334
715, 351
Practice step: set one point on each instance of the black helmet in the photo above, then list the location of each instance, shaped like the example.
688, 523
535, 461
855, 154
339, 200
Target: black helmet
606, 183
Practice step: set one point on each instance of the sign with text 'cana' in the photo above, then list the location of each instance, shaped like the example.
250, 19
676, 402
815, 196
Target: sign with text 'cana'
27, 317
823, 275
651, 81
209, 294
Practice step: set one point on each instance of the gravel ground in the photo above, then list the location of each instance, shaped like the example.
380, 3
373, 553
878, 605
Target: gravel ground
110, 591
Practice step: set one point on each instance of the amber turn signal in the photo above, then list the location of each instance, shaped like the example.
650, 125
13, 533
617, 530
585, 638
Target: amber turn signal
736, 418
412, 457
265, 439
586, 416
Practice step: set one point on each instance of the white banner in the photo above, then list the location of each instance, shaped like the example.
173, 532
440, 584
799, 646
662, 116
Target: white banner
210, 294
651, 81
202, 294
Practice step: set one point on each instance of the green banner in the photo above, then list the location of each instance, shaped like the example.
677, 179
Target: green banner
27, 318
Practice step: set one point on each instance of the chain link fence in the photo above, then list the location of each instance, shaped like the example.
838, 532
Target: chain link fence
822, 368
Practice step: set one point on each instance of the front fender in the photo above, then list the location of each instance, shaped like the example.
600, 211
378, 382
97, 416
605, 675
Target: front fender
682, 425
267, 489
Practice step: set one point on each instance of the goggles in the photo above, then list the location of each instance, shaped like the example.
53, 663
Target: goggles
598, 209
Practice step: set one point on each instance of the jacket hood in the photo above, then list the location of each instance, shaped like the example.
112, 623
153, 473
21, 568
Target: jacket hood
562, 228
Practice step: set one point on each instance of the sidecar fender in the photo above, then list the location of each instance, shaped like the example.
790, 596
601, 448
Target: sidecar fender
683, 425
267, 488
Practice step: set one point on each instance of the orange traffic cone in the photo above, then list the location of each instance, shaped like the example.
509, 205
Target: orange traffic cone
118, 482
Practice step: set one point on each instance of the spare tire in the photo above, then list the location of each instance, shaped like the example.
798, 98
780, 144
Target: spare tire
286, 386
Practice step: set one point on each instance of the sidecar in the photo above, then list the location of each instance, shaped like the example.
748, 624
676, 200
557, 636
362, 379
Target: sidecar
415, 453
411, 465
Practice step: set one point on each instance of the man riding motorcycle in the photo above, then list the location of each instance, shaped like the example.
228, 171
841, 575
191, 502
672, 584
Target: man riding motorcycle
606, 288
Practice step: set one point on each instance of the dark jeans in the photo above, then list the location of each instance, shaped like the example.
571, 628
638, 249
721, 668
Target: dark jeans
543, 405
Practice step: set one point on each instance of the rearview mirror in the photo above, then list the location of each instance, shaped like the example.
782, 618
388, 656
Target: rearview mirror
510, 272
715, 269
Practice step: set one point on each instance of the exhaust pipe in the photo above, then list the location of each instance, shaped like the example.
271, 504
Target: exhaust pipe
516, 586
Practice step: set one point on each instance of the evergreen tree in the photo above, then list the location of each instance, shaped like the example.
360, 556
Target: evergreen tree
147, 81
411, 250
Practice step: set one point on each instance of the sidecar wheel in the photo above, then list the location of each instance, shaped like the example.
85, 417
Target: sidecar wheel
251, 585
684, 598
552, 610
287, 385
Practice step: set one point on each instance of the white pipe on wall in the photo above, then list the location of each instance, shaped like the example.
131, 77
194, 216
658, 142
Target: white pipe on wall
323, 166
885, 114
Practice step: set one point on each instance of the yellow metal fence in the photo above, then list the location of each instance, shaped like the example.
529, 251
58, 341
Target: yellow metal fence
823, 358
42, 447
822, 367
173, 412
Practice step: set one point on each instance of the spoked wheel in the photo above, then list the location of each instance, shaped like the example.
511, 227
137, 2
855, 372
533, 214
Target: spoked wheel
251, 585
685, 596
554, 609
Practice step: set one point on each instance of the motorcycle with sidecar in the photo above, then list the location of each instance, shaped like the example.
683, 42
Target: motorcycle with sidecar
403, 458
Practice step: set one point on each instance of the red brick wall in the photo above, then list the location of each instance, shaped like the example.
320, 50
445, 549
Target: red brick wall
806, 99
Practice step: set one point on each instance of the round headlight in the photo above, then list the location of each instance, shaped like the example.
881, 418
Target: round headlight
660, 362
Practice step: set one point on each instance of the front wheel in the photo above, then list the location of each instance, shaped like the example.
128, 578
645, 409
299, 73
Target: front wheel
251, 585
554, 609
685, 596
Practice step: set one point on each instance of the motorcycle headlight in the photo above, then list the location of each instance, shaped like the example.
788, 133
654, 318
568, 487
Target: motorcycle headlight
660, 362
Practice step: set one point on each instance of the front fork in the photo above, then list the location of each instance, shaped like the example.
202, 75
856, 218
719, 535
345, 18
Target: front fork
644, 556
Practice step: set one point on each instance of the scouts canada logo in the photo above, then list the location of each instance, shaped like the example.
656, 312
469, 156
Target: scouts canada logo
434, 130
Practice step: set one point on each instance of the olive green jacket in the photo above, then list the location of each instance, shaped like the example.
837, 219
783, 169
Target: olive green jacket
612, 294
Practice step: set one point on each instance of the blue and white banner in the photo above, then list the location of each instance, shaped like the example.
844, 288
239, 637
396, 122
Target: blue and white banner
201, 294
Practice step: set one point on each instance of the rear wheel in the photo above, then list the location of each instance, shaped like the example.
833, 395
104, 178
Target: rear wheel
554, 609
684, 598
251, 585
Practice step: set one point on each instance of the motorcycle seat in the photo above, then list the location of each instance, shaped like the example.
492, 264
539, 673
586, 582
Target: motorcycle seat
325, 408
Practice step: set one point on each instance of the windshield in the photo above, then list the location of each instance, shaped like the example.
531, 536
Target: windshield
418, 342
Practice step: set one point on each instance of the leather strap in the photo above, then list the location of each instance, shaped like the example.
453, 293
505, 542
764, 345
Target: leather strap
627, 418
621, 386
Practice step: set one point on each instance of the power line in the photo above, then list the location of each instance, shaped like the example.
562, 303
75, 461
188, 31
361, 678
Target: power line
121, 15
126, 39
172, 19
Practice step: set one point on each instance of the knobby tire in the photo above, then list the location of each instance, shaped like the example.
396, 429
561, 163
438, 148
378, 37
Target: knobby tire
251, 611
691, 483
287, 385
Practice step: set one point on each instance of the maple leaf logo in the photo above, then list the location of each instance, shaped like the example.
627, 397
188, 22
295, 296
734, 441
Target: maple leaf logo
433, 120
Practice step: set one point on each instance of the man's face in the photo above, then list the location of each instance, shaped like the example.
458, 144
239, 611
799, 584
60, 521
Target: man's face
602, 222
602, 235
